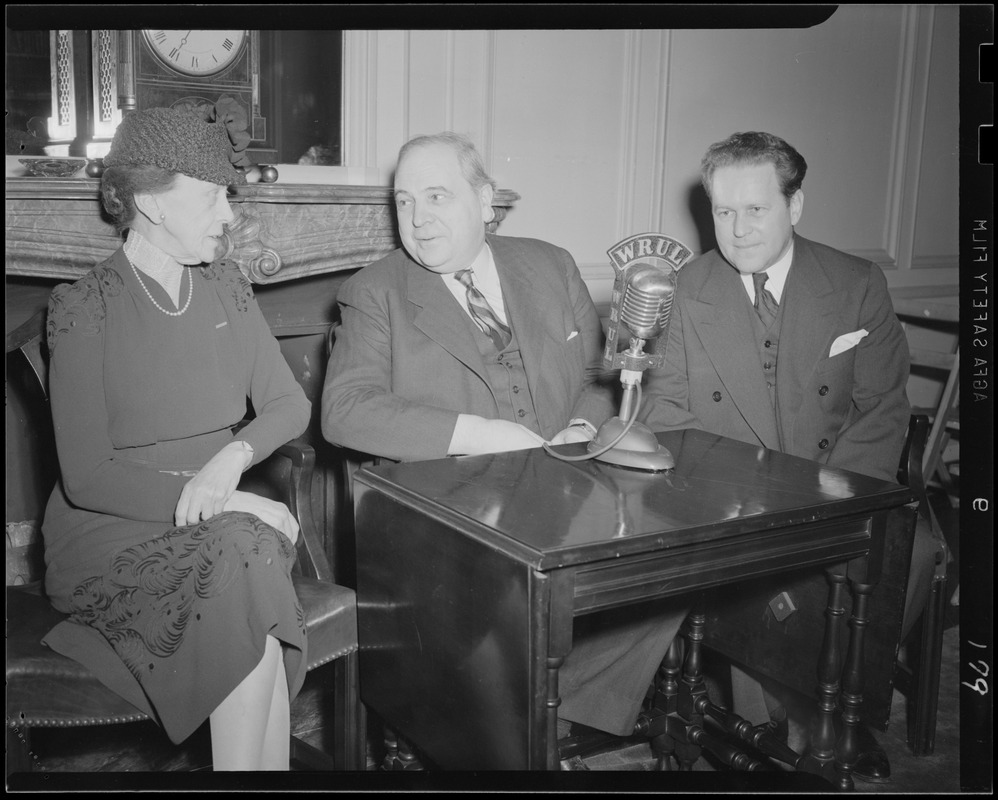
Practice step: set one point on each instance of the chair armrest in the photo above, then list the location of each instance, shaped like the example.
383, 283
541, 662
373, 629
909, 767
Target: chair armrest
312, 558
286, 475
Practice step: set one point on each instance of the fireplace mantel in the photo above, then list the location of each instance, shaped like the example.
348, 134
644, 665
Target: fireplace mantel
55, 228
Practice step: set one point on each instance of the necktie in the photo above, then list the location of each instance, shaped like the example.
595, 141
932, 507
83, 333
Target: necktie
482, 313
765, 304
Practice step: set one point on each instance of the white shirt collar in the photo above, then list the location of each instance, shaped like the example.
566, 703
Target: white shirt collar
777, 276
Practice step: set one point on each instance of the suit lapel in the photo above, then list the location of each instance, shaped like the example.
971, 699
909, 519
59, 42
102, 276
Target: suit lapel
439, 316
810, 320
720, 317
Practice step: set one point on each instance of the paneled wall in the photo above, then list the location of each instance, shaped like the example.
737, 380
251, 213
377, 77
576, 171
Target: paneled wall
601, 131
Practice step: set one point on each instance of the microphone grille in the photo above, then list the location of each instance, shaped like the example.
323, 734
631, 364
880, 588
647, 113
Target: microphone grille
647, 301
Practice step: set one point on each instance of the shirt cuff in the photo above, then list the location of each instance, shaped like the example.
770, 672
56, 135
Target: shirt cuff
248, 449
583, 423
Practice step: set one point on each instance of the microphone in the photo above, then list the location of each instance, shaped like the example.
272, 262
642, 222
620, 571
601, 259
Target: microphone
646, 267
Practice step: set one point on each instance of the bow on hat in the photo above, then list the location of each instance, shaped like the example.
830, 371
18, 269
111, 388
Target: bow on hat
230, 112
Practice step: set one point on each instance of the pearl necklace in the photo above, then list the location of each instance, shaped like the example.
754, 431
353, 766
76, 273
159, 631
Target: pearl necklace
190, 293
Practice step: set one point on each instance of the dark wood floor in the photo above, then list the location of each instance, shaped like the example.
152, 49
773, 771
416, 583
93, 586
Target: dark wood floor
143, 747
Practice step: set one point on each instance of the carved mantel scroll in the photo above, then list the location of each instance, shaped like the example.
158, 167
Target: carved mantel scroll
55, 228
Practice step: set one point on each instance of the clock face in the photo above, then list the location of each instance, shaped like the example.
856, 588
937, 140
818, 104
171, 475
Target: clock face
196, 53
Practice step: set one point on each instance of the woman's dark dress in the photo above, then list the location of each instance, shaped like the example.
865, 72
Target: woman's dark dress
173, 618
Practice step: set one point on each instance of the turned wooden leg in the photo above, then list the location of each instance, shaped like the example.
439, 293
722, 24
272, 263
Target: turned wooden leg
664, 748
551, 708
391, 749
652, 722
399, 754
729, 754
692, 687
693, 666
672, 666
760, 738
847, 750
822, 753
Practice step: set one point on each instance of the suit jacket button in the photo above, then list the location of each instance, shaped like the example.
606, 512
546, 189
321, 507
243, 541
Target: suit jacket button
823, 391
521, 413
823, 444
717, 397
767, 343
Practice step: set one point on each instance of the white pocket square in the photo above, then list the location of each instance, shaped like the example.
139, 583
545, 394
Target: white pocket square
847, 341
572, 335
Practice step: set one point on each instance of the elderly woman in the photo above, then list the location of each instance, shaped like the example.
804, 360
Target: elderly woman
178, 585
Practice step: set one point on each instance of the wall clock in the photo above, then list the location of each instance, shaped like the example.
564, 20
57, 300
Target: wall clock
196, 53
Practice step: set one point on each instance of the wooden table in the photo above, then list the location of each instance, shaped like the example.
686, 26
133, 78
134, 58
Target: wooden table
470, 571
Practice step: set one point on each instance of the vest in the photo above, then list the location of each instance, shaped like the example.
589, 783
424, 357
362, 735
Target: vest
508, 380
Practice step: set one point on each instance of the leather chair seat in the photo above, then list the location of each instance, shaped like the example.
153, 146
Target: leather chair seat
47, 689
330, 619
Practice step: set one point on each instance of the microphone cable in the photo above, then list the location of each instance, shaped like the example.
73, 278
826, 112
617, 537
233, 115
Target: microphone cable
606, 448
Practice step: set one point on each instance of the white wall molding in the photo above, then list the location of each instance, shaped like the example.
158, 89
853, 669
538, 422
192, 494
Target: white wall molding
359, 96
940, 261
488, 108
657, 210
643, 112
876, 255
629, 131
471, 90
450, 91
908, 131
392, 120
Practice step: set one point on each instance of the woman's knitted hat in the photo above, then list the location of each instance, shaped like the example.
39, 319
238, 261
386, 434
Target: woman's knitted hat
176, 140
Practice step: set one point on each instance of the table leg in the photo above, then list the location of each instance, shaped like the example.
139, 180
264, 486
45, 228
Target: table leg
666, 702
822, 753
399, 754
551, 708
692, 688
852, 687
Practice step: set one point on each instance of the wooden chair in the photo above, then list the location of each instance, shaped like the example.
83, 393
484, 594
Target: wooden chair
939, 365
918, 677
45, 689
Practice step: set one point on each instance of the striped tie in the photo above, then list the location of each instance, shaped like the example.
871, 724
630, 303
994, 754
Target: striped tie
765, 304
482, 313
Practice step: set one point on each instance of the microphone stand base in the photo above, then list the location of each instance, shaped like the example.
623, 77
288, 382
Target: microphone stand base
639, 449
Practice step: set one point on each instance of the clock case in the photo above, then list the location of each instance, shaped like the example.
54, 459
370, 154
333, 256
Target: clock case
144, 81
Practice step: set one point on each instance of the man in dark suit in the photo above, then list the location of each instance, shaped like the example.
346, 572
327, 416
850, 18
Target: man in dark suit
788, 344
425, 366
416, 373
